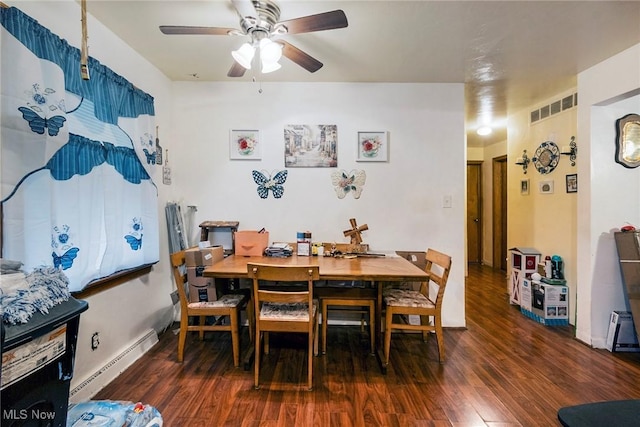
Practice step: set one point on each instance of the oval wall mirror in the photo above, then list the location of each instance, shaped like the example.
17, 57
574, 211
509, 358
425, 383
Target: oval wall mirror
628, 141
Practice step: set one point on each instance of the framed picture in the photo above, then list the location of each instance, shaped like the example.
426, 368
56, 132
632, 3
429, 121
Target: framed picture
524, 187
311, 146
572, 183
245, 145
373, 147
546, 187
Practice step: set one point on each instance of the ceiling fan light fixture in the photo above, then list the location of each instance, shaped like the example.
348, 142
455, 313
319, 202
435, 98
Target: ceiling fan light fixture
270, 54
244, 55
270, 51
268, 67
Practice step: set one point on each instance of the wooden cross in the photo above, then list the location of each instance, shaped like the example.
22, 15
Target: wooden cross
356, 232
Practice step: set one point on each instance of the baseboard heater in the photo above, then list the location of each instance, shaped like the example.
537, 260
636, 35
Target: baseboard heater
103, 376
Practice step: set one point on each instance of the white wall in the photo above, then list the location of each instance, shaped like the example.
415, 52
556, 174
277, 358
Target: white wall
122, 314
546, 222
609, 194
402, 201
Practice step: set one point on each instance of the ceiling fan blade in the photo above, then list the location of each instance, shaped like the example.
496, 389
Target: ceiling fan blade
245, 8
178, 29
236, 70
319, 22
299, 57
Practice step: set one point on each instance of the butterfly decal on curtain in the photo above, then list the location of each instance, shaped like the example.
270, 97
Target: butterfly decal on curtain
348, 183
65, 260
134, 242
39, 124
61, 241
267, 182
136, 230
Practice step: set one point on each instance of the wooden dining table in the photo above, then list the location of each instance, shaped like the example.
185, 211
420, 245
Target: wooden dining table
384, 267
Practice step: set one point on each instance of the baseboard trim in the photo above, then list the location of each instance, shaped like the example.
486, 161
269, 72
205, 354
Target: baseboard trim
88, 388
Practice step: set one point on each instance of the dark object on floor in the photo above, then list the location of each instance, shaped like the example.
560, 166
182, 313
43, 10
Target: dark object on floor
38, 358
619, 413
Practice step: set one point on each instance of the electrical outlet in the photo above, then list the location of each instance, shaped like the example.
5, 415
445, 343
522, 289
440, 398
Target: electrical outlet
446, 201
174, 297
95, 341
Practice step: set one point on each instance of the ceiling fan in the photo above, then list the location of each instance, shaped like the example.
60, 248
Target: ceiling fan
259, 19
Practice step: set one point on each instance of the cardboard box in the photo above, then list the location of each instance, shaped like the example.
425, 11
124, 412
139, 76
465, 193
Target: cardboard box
621, 336
549, 304
525, 295
207, 256
200, 288
219, 233
251, 243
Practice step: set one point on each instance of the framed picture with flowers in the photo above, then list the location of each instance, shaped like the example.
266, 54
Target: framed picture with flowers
245, 145
373, 146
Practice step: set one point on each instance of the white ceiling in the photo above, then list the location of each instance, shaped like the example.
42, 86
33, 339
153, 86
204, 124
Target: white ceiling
510, 54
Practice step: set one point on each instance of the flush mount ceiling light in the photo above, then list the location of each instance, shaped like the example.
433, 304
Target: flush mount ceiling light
260, 20
484, 130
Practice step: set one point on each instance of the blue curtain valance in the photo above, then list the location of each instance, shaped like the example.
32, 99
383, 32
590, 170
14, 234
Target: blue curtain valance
78, 159
112, 95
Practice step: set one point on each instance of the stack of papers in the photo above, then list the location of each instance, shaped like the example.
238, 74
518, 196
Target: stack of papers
280, 250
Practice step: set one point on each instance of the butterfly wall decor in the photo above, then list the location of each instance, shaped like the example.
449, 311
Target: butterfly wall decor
151, 157
348, 182
268, 182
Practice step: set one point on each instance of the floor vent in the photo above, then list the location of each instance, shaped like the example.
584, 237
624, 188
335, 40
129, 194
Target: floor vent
555, 107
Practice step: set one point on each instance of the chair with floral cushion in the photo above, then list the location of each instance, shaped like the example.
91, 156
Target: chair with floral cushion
227, 308
283, 302
426, 303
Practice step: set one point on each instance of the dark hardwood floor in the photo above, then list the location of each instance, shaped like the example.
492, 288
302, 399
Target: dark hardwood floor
503, 369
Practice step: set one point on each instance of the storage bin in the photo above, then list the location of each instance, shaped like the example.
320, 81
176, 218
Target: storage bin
251, 243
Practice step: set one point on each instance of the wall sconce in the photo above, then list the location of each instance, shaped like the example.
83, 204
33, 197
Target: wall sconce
571, 150
523, 161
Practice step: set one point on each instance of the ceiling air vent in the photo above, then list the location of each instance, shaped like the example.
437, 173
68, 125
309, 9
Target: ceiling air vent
555, 107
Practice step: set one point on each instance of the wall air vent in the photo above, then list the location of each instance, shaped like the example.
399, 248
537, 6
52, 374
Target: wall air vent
554, 107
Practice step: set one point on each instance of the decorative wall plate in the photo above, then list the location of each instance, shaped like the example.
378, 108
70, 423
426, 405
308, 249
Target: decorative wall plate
546, 157
348, 182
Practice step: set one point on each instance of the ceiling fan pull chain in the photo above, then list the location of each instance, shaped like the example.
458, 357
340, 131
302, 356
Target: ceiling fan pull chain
254, 80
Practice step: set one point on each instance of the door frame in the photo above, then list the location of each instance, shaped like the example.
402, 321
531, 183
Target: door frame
480, 198
499, 208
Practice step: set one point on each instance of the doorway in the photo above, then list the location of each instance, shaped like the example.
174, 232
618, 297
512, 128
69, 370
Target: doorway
499, 205
474, 212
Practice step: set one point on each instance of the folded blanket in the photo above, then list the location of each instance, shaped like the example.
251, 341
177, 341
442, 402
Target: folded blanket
21, 297
12, 282
9, 266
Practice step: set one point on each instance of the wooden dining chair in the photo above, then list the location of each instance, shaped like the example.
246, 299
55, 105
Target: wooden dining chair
227, 308
423, 303
348, 299
280, 306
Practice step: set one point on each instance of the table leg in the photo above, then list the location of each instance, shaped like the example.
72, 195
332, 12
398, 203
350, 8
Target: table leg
247, 360
379, 351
